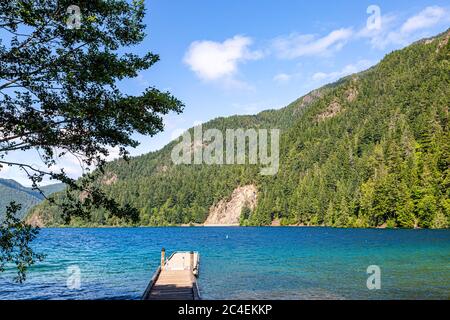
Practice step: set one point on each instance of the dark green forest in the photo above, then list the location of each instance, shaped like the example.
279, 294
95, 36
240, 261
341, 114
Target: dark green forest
370, 150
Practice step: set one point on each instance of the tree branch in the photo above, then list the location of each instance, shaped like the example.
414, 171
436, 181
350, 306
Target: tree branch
10, 82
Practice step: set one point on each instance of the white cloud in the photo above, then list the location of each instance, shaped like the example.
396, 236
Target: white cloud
113, 154
17, 175
74, 166
212, 61
379, 38
4, 168
393, 32
298, 45
141, 80
347, 70
427, 18
179, 131
250, 108
172, 122
71, 165
282, 77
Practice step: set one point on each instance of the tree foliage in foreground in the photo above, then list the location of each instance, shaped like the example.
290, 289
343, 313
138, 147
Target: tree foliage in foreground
60, 95
15, 238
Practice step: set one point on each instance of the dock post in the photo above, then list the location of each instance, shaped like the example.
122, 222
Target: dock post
192, 261
163, 257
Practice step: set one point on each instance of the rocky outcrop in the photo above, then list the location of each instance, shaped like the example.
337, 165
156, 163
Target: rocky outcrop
227, 212
162, 169
443, 42
307, 100
333, 109
109, 179
351, 94
35, 220
276, 223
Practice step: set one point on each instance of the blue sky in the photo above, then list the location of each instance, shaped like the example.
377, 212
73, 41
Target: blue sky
240, 57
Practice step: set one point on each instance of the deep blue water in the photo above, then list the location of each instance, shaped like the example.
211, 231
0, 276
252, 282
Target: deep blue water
242, 263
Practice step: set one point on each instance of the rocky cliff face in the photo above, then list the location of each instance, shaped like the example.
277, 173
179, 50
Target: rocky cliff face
228, 211
35, 220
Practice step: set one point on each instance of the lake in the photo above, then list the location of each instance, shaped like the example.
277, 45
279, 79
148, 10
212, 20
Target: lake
241, 263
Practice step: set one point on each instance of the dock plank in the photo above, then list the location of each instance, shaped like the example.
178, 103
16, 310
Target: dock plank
176, 280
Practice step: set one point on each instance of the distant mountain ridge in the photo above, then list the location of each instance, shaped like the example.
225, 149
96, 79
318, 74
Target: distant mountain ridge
370, 150
11, 190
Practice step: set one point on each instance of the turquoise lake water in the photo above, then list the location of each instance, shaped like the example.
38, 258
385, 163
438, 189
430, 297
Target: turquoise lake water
242, 263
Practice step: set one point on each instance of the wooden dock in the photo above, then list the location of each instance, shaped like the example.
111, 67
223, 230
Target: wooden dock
175, 278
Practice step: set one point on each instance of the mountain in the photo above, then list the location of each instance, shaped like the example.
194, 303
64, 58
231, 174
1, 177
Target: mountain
11, 190
371, 150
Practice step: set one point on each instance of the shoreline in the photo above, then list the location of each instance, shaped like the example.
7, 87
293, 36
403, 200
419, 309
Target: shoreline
230, 226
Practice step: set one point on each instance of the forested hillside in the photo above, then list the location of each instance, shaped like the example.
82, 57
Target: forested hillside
11, 190
371, 150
